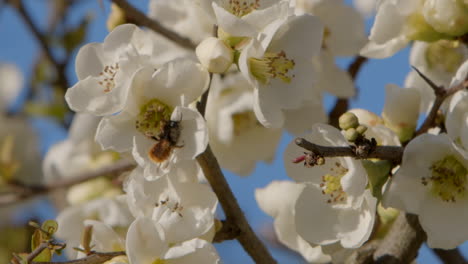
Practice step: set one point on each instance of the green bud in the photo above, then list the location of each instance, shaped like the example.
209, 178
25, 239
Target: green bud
348, 120
351, 134
361, 129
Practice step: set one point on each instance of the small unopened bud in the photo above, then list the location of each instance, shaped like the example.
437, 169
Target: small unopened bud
214, 55
348, 120
116, 17
351, 134
361, 129
446, 16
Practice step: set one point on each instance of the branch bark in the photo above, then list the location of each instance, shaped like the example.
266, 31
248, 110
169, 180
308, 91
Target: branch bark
62, 79
402, 242
392, 153
441, 94
23, 192
137, 17
234, 215
94, 258
452, 256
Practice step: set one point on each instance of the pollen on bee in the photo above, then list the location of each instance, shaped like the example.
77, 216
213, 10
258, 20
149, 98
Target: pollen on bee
161, 151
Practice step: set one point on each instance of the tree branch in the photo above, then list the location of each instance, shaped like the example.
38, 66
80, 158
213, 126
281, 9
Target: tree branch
392, 153
342, 104
94, 258
37, 251
452, 256
22, 192
135, 16
402, 242
59, 67
441, 94
234, 215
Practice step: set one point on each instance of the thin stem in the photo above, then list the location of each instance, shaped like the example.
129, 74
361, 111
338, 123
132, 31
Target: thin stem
392, 153
23, 192
59, 67
451, 256
94, 258
441, 94
139, 18
37, 251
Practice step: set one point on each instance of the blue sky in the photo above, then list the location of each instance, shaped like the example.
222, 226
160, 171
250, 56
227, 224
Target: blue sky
17, 46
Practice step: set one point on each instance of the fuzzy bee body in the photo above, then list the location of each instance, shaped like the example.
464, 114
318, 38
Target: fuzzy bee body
166, 142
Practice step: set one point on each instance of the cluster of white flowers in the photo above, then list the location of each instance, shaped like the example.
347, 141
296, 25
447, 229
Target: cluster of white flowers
266, 70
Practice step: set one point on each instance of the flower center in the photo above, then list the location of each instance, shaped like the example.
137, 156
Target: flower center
331, 184
240, 8
244, 121
448, 179
272, 65
444, 54
153, 117
107, 77
158, 261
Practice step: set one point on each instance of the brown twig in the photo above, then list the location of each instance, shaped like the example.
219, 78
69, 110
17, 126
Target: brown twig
402, 242
364, 255
40, 37
234, 215
228, 231
22, 192
452, 256
441, 94
342, 104
392, 153
37, 251
135, 16
94, 258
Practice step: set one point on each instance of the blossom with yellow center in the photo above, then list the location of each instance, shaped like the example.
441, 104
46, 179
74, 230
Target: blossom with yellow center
432, 183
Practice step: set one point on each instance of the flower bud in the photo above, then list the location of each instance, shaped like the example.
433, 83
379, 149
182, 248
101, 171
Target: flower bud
446, 16
361, 129
214, 55
351, 134
348, 120
366, 117
401, 110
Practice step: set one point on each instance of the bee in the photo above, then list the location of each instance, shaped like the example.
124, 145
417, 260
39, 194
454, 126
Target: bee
166, 141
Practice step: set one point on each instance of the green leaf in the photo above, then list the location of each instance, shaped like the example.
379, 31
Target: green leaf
377, 172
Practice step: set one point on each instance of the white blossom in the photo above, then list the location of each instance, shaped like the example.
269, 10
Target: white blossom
456, 121
156, 125
335, 190
401, 110
71, 221
237, 139
147, 243
215, 55
184, 209
432, 183
280, 68
281, 208
185, 17
438, 61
